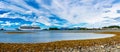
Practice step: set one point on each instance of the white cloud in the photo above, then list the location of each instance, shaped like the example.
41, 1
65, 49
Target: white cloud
16, 23
113, 11
25, 24
10, 7
44, 20
8, 15
76, 14
86, 12
7, 23
91, 12
1, 21
4, 15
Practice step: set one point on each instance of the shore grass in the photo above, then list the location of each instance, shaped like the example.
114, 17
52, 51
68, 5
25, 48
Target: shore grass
61, 44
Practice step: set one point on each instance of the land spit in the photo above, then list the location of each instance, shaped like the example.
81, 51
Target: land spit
111, 44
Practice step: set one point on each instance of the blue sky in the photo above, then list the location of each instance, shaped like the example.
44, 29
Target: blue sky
59, 13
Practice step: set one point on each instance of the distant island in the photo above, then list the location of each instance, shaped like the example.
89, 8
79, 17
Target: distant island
112, 27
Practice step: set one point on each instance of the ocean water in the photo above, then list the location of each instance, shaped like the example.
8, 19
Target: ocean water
47, 36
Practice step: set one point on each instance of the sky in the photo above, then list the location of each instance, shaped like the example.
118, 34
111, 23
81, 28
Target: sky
59, 13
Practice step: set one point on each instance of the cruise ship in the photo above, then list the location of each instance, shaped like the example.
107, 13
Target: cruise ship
29, 28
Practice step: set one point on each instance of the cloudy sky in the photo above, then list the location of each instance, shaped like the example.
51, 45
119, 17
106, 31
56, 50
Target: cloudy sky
59, 13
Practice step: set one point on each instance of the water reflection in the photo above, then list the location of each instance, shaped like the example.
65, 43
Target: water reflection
47, 36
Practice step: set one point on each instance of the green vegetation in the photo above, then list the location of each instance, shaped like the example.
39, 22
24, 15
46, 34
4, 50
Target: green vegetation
53, 28
114, 26
84, 28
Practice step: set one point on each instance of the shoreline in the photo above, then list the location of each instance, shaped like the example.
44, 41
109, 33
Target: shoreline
71, 45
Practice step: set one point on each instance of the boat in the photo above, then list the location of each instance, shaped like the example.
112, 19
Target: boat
29, 28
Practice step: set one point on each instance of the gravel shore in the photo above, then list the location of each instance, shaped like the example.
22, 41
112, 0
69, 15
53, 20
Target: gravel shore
100, 48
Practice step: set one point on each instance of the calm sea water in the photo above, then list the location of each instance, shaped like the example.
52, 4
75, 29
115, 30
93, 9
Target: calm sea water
47, 36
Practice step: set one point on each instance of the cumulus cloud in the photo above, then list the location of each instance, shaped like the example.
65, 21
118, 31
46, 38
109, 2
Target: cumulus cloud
113, 11
44, 20
81, 11
7, 23
94, 13
1, 21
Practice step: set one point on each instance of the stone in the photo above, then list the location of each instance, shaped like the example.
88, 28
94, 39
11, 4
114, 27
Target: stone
118, 47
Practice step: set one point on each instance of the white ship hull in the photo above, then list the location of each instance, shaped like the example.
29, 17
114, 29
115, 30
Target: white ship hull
29, 29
